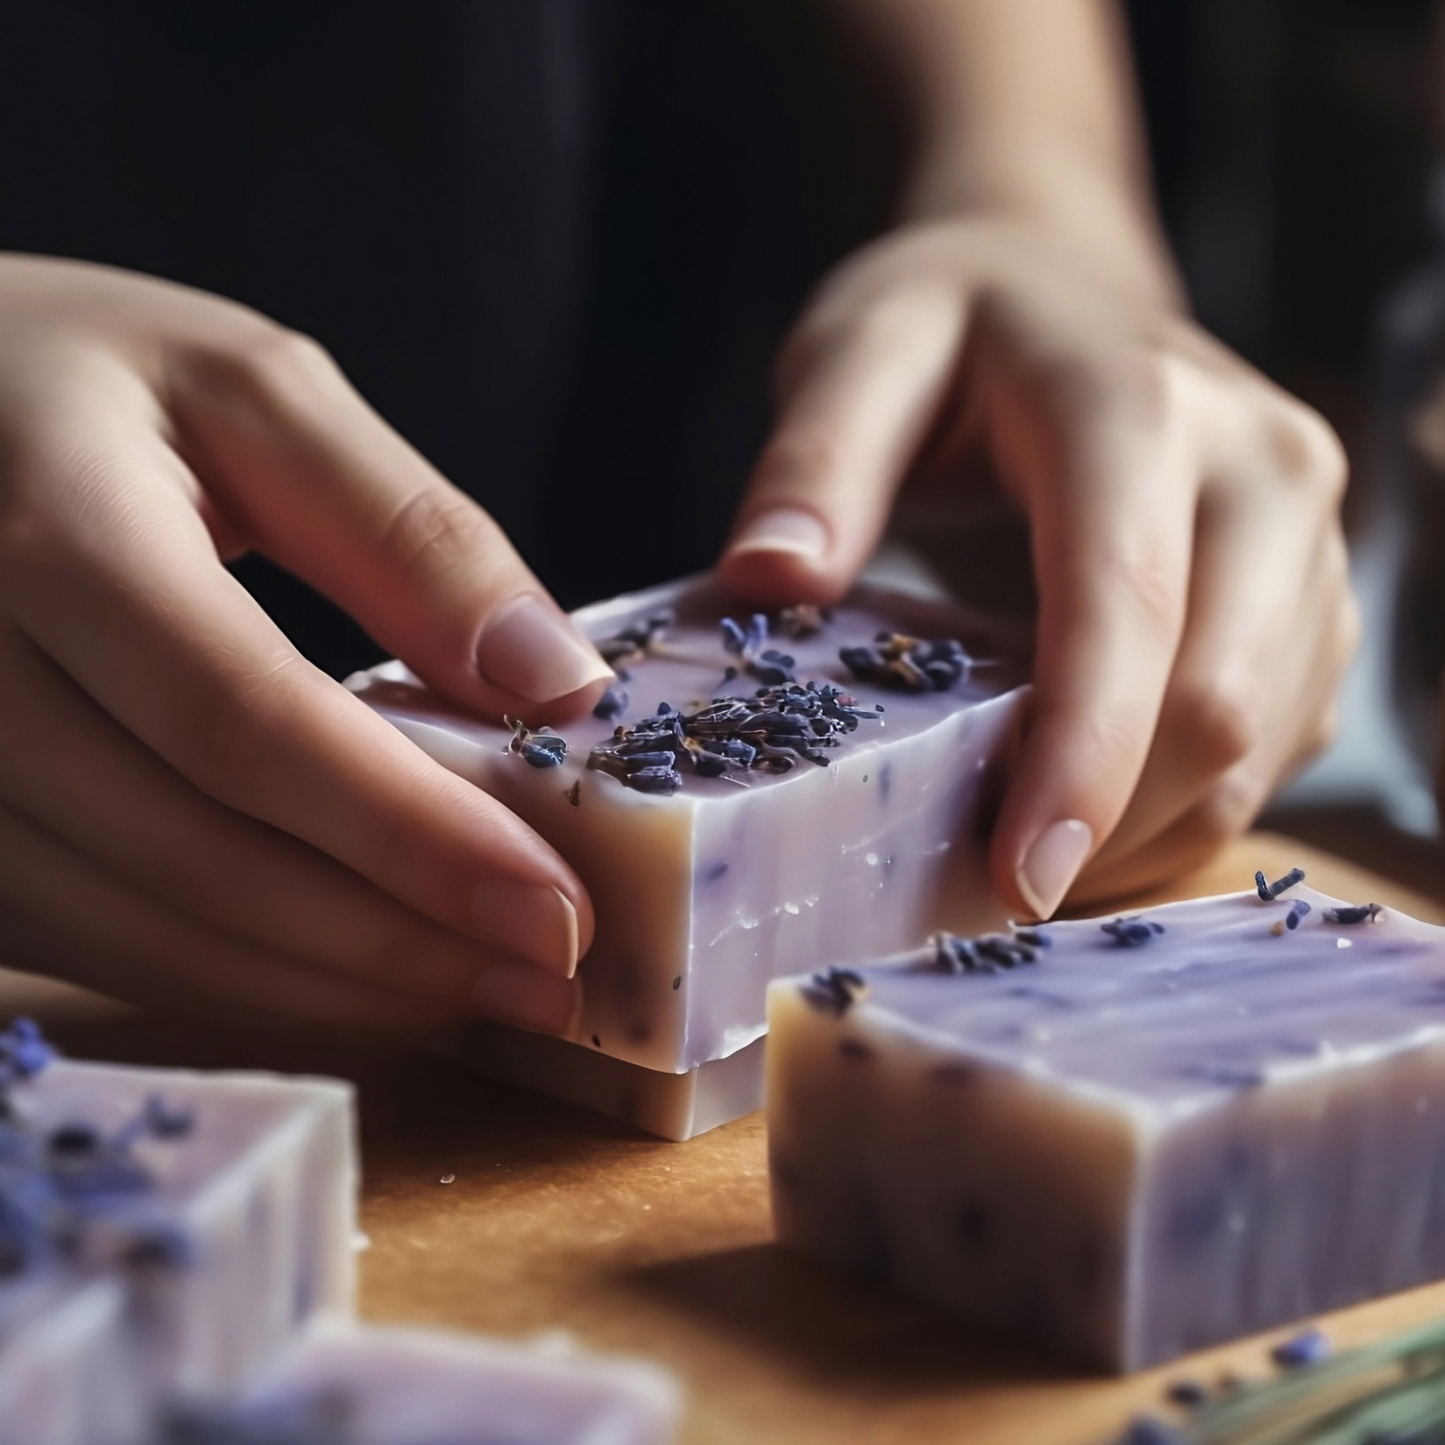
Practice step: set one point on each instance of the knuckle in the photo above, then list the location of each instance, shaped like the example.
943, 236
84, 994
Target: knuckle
1147, 577
1303, 449
1225, 811
437, 531
266, 360
798, 459
1217, 721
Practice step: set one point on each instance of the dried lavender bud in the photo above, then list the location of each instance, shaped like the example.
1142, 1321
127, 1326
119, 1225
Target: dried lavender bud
771, 667
1268, 892
633, 643
1352, 913
802, 621
952, 954
772, 731
1308, 1347
835, 990
612, 704
542, 749
909, 664
1188, 1393
1133, 932
655, 780
1147, 1430
1297, 912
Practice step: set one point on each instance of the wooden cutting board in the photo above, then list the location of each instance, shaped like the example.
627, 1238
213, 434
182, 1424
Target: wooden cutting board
556, 1219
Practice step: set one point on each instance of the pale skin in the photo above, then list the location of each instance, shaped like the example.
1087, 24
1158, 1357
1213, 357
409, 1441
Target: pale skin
190, 810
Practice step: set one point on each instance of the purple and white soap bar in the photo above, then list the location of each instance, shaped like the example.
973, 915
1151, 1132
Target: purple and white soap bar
371, 1386
749, 802
178, 1228
1126, 1138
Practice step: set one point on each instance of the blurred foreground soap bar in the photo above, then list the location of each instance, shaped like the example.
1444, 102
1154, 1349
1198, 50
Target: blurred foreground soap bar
1125, 1138
160, 1230
350, 1385
758, 794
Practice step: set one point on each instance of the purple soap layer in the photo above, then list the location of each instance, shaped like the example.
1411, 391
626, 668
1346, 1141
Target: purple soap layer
1129, 1147
706, 893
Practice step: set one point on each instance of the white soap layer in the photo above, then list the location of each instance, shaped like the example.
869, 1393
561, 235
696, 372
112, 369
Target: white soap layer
260, 1190
672, 1106
1128, 1153
65, 1365
704, 896
417, 1387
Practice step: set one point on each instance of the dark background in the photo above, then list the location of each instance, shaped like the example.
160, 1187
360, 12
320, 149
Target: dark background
555, 243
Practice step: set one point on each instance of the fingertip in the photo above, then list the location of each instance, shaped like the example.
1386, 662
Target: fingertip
783, 556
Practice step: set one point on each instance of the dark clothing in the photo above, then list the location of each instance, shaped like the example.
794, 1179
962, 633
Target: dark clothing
554, 242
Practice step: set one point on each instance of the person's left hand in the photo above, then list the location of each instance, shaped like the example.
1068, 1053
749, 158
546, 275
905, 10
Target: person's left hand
1194, 610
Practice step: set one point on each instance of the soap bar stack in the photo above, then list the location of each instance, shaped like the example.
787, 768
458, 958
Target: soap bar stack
176, 1268
755, 793
366, 1386
1125, 1137
160, 1231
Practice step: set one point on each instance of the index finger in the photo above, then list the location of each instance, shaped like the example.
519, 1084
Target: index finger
1111, 507
116, 579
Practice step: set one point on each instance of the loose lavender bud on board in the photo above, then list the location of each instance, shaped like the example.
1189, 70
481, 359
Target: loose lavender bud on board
846, 829
1308, 1347
1127, 1153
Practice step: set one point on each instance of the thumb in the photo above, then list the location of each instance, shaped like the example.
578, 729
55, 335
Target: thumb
319, 483
858, 394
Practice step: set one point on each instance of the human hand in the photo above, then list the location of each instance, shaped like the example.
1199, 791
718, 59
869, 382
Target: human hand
1194, 614
188, 809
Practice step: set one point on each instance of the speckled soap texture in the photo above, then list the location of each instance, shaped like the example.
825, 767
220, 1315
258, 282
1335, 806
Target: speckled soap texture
704, 895
192, 1253
351, 1385
1131, 1147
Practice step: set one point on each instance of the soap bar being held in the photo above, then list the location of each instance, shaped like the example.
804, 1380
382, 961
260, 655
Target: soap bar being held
362, 1386
159, 1230
754, 793
1125, 1137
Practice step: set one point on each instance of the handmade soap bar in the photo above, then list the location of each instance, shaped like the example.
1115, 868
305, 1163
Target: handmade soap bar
725, 842
177, 1228
359, 1386
1127, 1138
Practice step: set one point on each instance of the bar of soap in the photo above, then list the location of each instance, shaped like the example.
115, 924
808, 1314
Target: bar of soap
710, 886
1151, 1135
373, 1386
186, 1225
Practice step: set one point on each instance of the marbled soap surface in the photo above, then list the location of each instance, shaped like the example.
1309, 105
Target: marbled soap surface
1216, 1003
687, 668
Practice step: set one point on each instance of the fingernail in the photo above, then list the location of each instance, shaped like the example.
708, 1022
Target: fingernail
1052, 864
534, 921
531, 648
517, 994
784, 529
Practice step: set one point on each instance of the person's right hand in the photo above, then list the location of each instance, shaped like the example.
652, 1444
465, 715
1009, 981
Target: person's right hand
188, 809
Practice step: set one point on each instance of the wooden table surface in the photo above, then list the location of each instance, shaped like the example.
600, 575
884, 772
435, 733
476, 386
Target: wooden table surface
559, 1219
